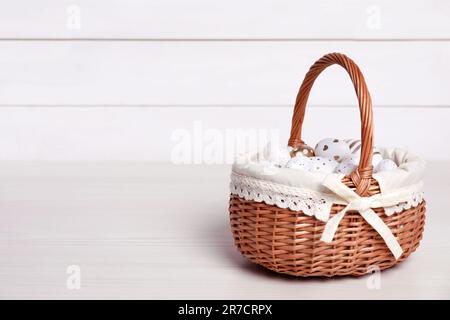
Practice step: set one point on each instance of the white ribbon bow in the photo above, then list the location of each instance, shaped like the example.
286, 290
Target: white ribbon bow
363, 205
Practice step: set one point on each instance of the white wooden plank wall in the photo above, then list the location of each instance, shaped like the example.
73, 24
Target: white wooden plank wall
114, 80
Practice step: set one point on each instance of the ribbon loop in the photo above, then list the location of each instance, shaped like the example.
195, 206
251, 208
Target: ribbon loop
364, 206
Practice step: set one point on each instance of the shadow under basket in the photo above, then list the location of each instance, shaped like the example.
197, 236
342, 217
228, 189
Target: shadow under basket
288, 241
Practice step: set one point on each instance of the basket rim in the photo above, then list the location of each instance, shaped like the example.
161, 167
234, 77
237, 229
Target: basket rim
410, 172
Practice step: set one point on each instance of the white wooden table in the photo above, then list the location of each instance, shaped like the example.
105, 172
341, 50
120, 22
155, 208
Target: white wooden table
159, 231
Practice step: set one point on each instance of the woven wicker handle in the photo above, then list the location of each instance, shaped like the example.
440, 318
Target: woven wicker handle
362, 176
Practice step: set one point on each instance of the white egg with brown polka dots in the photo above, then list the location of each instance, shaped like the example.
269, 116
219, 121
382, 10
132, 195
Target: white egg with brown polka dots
332, 148
346, 167
299, 162
322, 164
354, 158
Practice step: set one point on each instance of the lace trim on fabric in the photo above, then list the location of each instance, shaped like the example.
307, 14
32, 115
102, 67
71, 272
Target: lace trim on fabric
312, 203
414, 201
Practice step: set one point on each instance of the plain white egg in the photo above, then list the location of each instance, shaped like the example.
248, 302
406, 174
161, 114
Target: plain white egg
376, 158
386, 165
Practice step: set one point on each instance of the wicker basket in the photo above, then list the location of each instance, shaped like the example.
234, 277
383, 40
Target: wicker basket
289, 242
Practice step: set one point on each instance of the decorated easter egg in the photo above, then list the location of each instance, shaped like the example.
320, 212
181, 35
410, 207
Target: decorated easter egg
376, 158
354, 145
354, 158
332, 148
299, 162
322, 164
276, 154
303, 150
346, 167
386, 165
355, 152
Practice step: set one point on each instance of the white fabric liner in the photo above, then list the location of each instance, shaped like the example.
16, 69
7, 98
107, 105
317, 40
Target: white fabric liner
303, 190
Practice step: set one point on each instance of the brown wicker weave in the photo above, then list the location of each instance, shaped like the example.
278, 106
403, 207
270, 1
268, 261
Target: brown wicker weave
289, 242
